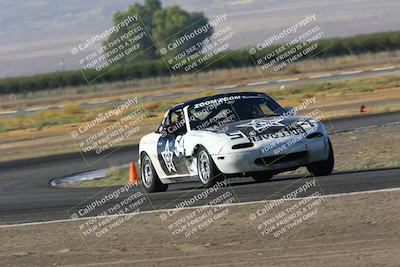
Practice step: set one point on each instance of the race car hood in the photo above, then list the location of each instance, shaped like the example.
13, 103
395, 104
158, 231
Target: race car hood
266, 129
265, 125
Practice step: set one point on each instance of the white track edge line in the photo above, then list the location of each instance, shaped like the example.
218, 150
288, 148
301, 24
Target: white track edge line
350, 72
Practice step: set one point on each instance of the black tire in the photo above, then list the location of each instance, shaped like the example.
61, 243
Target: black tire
325, 167
262, 177
149, 176
207, 171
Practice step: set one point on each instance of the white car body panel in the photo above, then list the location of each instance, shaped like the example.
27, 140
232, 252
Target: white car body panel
165, 152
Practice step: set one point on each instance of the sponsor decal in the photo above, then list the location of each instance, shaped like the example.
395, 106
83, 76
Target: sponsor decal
258, 129
283, 133
167, 156
261, 125
236, 135
170, 152
218, 101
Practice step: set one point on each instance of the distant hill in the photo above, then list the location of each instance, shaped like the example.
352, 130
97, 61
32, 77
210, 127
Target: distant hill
36, 36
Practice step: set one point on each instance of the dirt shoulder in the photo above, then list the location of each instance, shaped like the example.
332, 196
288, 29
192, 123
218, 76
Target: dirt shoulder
367, 149
334, 98
351, 230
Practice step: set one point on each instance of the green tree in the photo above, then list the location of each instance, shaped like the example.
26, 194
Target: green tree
162, 25
145, 20
172, 23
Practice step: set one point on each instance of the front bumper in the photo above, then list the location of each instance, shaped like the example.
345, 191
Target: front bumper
256, 159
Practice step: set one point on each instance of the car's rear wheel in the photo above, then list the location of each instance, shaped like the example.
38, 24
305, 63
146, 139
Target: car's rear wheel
262, 177
149, 177
325, 167
207, 171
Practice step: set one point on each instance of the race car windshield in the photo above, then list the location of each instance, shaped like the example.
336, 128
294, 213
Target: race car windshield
221, 111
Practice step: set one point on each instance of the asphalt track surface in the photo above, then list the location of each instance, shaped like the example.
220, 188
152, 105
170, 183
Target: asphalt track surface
26, 196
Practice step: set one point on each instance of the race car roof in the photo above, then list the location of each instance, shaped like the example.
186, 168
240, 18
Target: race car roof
200, 99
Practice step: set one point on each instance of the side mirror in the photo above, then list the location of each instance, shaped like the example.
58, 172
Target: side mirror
160, 129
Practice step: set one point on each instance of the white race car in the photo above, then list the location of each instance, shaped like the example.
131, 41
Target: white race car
231, 135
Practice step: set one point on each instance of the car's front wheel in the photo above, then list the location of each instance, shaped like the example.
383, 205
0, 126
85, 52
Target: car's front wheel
149, 177
325, 167
207, 171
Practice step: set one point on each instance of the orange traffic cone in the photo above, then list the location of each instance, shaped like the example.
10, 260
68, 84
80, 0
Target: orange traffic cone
364, 109
133, 177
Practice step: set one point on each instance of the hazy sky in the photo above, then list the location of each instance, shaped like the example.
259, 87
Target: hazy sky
36, 35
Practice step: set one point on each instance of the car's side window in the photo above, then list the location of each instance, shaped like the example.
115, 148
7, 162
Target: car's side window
174, 123
162, 127
177, 125
174, 118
